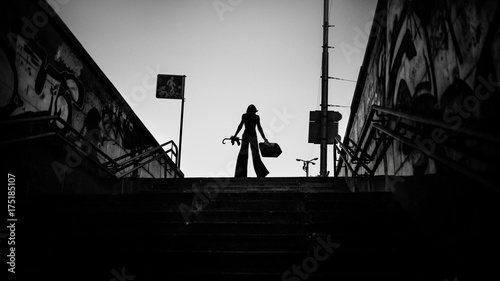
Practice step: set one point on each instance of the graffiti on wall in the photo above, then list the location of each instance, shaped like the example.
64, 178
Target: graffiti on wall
37, 82
433, 58
40, 87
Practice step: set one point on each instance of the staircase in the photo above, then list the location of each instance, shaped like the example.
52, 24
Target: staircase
225, 229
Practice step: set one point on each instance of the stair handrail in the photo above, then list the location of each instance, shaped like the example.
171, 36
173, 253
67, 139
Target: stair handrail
351, 155
145, 163
341, 153
452, 164
52, 119
366, 127
111, 166
465, 130
26, 120
115, 166
370, 124
145, 154
359, 147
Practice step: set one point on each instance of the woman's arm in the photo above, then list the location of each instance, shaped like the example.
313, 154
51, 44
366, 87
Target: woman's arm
259, 127
239, 127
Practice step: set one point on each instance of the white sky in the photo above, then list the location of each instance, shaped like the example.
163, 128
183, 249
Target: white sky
265, 52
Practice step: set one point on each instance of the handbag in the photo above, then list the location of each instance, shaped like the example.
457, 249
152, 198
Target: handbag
269, 149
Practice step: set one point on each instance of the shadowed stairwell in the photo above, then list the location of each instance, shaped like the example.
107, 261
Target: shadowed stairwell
229, 229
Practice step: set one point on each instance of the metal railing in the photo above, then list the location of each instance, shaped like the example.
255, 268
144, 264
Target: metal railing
147, 155
376, 132
114, 167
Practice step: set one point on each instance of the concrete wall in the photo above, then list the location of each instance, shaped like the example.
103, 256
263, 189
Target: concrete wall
436, 59
45, 71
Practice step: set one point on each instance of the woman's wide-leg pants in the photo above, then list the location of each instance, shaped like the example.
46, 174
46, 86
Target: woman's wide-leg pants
242, 161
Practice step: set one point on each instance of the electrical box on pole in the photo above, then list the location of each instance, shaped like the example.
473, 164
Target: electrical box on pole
315, 126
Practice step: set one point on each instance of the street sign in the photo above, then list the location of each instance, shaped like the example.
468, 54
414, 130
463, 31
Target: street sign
170, 86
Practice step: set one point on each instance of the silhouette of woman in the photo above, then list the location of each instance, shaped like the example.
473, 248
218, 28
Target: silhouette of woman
250, 120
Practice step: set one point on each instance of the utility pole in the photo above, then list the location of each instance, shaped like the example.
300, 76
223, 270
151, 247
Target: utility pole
324, 96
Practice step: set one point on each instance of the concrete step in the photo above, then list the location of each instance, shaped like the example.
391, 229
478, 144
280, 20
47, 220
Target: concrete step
138, 242
220, 185
296, 201
339, 220
236, 228
340, 261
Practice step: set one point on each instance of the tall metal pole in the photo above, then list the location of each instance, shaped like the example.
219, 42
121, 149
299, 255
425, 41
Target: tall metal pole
182, 121
324, 96
180, 136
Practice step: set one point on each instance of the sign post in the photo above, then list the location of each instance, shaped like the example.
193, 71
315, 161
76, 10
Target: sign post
172, 87
180, 132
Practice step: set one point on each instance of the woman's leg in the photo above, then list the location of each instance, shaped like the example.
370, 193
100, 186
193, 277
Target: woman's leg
242, 161
260, 168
